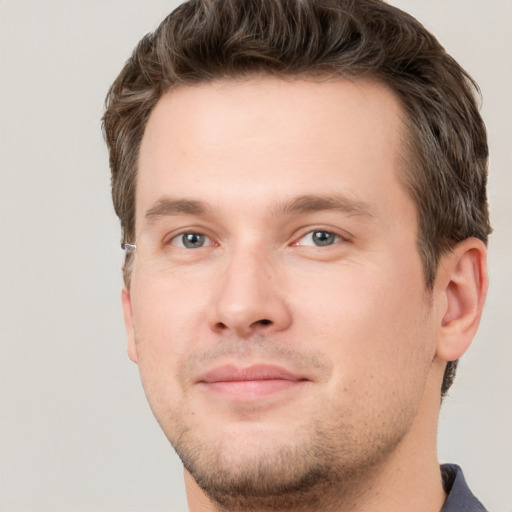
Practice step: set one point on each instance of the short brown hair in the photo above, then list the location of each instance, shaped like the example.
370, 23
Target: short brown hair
204, 40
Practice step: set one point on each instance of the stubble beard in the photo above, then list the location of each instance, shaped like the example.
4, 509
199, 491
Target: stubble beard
325, 463
323, 469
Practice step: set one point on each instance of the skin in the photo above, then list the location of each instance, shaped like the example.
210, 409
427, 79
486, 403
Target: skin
257, 167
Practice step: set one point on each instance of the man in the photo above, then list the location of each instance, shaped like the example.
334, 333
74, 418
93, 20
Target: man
301, 188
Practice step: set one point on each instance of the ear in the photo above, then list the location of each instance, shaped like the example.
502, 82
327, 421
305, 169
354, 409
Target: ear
126, 301
461, 284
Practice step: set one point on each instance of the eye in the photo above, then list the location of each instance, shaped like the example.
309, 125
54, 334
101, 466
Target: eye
318, 238
190, 240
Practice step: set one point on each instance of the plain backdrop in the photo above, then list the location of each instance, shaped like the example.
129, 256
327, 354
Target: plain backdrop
76, 432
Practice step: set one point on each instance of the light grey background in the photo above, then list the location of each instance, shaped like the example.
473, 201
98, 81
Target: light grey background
76, 432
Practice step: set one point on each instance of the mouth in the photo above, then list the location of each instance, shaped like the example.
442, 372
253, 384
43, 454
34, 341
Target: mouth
251, 382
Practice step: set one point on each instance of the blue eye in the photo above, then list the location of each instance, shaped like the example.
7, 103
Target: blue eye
319, 238
190, 240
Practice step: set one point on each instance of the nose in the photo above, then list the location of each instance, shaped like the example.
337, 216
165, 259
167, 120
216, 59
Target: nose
249, 298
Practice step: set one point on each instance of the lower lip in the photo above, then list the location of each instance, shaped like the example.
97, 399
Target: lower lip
247, 389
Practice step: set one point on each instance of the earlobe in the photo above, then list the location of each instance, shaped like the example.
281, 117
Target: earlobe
462, 285
126, 302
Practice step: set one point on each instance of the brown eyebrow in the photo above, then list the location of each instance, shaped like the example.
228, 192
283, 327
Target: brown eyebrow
169, 206
298, 205
311, 203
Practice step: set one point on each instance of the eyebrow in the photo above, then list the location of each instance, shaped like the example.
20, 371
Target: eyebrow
313, 203
168, 206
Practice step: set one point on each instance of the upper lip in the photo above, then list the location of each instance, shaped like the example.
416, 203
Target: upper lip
231, 373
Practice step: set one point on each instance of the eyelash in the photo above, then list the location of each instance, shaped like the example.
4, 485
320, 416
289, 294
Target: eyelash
181, 236
332, 239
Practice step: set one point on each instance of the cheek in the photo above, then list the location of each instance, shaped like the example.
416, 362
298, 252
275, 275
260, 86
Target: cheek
373, 325
167, 327
165, 311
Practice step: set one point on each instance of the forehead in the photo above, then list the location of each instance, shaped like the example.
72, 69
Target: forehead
278, 136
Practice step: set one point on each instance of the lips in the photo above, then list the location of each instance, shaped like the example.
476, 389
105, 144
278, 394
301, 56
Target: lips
230, 373
250, 382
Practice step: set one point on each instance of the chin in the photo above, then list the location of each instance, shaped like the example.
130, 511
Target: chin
260, 468
248, 473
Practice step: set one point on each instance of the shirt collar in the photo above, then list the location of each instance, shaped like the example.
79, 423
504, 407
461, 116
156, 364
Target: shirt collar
459, 497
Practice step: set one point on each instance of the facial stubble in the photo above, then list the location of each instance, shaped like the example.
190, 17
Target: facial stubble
320, 462
321, 467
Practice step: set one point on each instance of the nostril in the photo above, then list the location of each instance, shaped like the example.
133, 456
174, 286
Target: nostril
261, 323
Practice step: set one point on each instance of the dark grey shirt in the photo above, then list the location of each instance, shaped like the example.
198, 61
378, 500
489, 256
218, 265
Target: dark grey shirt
460, 498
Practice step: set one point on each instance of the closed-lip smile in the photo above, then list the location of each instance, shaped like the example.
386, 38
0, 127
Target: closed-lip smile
249, 382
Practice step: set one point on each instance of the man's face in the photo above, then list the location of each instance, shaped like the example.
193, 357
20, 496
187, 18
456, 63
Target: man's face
277, 309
